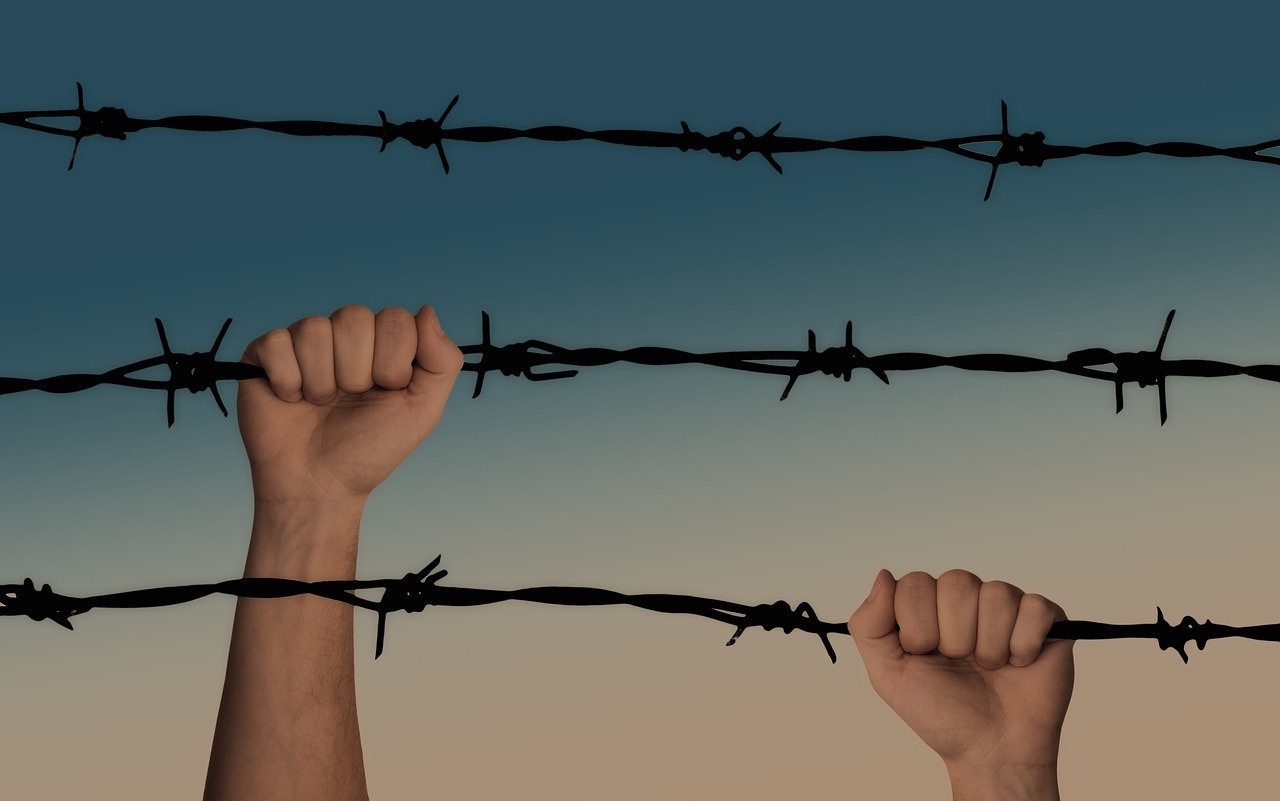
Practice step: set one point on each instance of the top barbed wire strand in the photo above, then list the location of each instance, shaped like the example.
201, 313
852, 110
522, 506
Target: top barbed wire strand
737, 143
197, 372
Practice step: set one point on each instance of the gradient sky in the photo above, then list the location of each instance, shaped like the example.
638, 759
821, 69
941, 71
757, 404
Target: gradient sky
639, 479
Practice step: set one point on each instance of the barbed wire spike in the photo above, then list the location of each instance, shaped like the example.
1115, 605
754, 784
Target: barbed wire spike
81, 128
486, 347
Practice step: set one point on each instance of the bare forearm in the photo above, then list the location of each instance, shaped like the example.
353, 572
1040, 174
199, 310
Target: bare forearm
288, 727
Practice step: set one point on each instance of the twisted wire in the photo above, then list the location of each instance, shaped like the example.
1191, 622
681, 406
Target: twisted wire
736, 143
198, 372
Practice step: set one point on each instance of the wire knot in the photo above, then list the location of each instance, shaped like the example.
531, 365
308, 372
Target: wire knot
838, 361
42, 604
1146, 368
510, 360
1177, 637
780, 615
1027, 150
736, 143
425, 133
412, 593
194, 372
108, 121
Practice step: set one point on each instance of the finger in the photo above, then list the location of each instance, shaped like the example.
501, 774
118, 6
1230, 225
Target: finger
395, 343
998, 605
915, 605
957, 613
875, 632
313, 346
438, 361
873, 626
273, 352
1036, 614
352, 349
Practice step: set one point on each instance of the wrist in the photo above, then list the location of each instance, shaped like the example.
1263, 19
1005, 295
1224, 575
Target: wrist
1004, 782
304, 540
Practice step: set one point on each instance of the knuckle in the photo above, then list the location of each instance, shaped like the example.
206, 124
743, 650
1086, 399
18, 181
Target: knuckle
916, 588
916, 577
396, 314
393, 325
1000, 590
1038, 604
309, 326
351, 308
961, 579
351, 314
395, 322
272, 340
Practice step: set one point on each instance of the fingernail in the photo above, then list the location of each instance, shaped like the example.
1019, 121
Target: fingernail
435, 323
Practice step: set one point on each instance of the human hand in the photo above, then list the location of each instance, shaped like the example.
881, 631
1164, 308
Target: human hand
967, 666
347, 398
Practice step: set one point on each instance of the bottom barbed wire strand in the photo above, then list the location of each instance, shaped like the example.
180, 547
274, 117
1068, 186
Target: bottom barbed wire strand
414, 592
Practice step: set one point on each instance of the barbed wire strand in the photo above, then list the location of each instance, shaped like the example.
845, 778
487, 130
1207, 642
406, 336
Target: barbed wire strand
197, 372
737, 143
414, 592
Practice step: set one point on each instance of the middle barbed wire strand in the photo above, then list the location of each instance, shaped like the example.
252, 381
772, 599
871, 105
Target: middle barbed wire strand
197, 372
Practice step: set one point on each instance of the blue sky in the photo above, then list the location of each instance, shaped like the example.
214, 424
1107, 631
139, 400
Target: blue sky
646, 479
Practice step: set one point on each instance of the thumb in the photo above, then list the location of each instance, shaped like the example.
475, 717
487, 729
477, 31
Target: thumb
875, 629
437, 363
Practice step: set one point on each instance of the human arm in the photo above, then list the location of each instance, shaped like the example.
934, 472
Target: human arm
966, 665
346, 399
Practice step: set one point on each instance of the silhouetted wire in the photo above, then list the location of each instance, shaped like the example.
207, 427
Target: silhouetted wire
414, 592
196, 372
737, 143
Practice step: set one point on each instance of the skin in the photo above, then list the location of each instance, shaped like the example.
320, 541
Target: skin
966, 665
347, 398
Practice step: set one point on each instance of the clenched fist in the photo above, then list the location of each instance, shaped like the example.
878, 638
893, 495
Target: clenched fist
966, 664
347, 398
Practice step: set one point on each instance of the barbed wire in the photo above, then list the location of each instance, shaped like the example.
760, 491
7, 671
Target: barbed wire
197, 372
414, 592
737, 143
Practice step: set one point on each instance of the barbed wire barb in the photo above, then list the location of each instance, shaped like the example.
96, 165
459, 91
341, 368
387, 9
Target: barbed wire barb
736, 143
